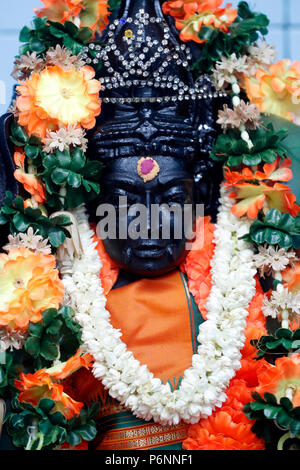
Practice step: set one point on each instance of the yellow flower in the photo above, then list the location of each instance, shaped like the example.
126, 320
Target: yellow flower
58, 97
29, 284
277, 90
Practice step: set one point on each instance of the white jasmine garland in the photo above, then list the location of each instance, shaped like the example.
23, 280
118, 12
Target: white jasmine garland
221, 337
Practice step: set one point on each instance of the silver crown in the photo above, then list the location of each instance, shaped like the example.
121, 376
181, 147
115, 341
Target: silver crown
140, 56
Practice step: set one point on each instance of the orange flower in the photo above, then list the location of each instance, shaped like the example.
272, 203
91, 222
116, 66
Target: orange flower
271, 172
291, 277
209, 14
238, 394
35, 387
276, 171
257, 190
180, 9
29, 284
91, 13
58, 97
252, 332
44, 384
282, 379
253, 197
32, 184
76, 362
197, 265
276, 91
220, 432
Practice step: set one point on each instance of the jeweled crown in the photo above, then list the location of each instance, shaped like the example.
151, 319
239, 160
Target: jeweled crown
141, 51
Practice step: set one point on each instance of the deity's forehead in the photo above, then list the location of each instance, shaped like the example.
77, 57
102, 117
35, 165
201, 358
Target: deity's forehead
128, 171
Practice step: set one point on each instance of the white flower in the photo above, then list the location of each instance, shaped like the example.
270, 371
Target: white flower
270, 259
281, 301
65, 138
263, 54
10, 340
29, 240
227, 68
221, 336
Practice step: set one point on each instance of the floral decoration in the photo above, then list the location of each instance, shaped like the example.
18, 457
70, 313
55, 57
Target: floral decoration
57, 96
29, 285
247, 393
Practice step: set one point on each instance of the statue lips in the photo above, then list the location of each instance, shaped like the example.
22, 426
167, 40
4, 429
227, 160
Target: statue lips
149, 249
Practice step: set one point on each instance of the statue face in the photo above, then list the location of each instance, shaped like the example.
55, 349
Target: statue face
173, 186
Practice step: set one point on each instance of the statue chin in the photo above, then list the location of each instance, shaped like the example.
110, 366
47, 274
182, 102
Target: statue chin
147, 258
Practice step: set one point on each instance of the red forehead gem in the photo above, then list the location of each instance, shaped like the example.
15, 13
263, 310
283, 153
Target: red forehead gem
147, 166
147, 169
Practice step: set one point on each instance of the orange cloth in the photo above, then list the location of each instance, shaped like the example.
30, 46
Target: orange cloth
157, 322
154, 317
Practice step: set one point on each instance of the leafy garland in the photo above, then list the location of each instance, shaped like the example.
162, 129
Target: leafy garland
64, 178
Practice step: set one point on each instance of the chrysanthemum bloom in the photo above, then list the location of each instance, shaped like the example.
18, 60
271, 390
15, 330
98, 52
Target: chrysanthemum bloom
281, 379
209, 14
197, 264
91, 13
32, 184
29, 284
277, 90
58, 97
238, 395
46, 383
220, 432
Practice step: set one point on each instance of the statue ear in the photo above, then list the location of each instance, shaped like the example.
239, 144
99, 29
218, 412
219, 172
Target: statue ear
208, 177
7, 168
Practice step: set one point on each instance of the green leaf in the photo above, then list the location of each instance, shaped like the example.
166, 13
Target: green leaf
32, 346
21, 223
283, 418
32, 151
24, 34
49, 349
55, 327
295, 427
56, 237
78, 160
74, 180
73, 438
64, 159
88, 432
60, 175
48, 316
46, 405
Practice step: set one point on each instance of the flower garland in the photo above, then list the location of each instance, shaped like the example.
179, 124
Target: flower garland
221, 337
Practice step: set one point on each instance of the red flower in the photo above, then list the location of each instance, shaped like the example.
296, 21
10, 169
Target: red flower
220, 432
